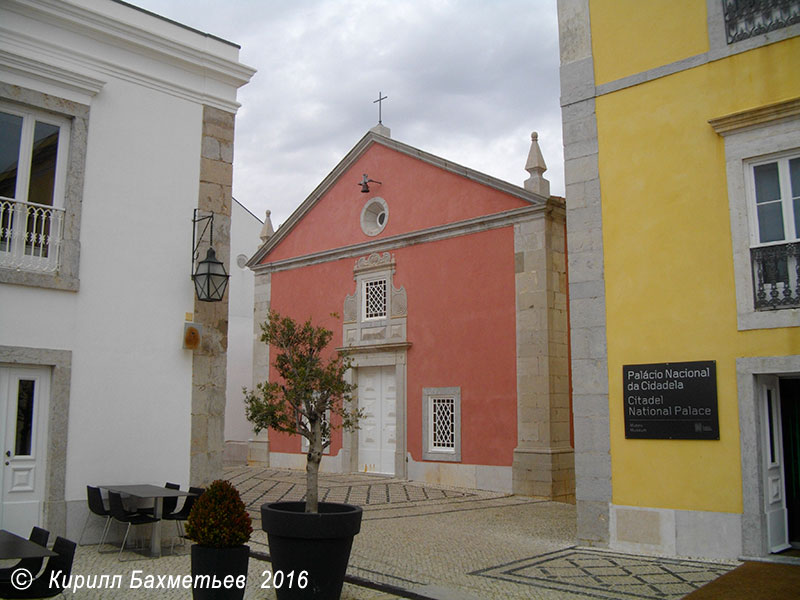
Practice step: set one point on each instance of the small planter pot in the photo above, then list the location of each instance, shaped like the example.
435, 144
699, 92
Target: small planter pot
309, 551
219, 563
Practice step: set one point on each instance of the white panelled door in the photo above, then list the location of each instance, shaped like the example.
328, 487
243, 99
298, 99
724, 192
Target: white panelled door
774, 485
24, 400
377, 435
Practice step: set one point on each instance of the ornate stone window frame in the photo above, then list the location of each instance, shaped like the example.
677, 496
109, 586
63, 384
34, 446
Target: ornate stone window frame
360, 331
429, 452
66, 277
750, 136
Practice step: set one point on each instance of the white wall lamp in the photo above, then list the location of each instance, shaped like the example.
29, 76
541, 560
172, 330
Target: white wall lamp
210, 278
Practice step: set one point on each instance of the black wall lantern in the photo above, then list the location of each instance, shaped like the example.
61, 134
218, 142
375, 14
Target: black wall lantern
210, 278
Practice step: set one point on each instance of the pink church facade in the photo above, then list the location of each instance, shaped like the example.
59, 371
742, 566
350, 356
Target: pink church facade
449, 292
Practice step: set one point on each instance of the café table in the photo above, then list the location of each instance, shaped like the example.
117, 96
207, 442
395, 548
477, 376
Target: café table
144, 492
13, 546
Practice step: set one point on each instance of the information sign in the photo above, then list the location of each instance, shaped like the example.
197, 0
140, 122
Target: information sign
671, 401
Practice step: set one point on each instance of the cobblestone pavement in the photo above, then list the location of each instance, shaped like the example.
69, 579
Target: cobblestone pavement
429, 541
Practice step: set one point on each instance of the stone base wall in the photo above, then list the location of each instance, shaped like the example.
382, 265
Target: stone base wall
235, 453
258, 451
668, 532
592, 516
547, 473
287, 460
479, 477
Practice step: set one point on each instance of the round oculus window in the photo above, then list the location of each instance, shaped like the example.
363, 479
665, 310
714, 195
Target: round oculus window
374, 216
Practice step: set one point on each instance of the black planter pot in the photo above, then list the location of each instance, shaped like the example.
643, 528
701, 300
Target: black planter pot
314, 544
219, 563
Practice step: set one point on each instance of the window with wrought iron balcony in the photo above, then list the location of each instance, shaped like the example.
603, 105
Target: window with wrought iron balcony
33, 149
775, 229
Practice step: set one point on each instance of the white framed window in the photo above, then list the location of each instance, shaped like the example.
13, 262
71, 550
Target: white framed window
33, 156
773, 189
761, 160
775, 199
375, 299
33, 162
441, 426
772, 435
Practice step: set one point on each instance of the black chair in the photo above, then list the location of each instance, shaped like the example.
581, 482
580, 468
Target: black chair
58, 567
168, 504
33, 565
96, 507
183, 513
118, 513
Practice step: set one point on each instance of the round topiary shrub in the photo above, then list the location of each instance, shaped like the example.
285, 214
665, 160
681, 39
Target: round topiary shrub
219, 518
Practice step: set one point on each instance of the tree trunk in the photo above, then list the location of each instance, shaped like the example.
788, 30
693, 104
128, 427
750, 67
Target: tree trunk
312, 467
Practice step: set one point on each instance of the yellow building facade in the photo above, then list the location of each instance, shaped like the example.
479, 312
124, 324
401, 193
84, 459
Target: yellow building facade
682, 161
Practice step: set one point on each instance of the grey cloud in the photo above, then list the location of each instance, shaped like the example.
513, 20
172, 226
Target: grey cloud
466, 79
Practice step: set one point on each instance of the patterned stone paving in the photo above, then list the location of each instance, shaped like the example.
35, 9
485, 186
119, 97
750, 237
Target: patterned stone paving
443, 542
258, 486
602, 574
434, 543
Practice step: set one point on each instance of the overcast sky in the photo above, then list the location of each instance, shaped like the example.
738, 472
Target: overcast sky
467, 80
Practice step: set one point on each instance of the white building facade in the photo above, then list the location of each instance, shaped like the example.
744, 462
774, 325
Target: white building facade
245, 228
117, 126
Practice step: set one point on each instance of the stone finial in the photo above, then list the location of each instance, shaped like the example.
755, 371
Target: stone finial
381, 129
536, 183
266, 231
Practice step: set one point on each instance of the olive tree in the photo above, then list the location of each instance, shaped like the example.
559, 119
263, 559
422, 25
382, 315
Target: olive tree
310, 388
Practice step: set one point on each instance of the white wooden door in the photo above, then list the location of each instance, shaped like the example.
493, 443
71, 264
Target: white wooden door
24, 400
774, 484
377, 435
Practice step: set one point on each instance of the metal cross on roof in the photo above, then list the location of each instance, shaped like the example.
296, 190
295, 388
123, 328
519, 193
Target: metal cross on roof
379, 101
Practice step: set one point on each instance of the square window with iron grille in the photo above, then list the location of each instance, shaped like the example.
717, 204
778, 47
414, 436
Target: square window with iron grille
443, 426
375, 303
441, 419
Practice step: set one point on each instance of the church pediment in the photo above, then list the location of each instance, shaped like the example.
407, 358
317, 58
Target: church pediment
409, 190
